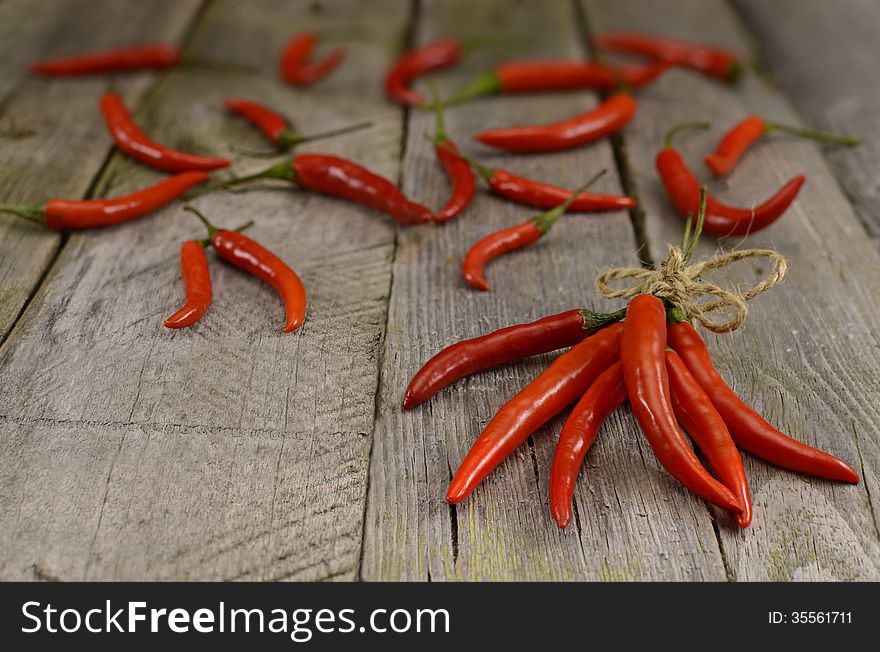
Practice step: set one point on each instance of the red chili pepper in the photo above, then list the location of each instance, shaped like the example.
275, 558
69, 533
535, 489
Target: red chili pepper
256, 260
441, 53
510, 239
276, 128
744, 134
459, 172
721, 220
339, 177
544, 195
72, 214
197, 281
606, 393
695, 412
155, 56
294, 57
558, 386
134, 142
557, 75
642, 352
503, 346
748, 428
704, 58
607, 118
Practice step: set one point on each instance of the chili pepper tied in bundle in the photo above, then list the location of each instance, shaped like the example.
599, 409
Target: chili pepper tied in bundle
721, 219
656, 359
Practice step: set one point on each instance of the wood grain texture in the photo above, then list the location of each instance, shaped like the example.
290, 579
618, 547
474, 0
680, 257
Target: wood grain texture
68, 144
632, 525
230, 449
824, 57
807, 357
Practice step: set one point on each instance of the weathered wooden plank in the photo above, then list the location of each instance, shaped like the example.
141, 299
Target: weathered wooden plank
233, 450
808, 356
632, 525
824, 55
69, 141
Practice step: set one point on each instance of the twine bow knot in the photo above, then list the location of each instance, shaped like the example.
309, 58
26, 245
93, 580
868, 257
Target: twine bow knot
681, 284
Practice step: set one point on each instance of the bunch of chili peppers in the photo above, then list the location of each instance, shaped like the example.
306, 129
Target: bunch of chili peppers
656, 359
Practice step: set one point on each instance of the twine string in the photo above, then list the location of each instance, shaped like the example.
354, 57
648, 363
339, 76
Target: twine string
681, 284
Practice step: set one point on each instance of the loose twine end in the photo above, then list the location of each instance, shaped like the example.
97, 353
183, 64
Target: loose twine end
680, 283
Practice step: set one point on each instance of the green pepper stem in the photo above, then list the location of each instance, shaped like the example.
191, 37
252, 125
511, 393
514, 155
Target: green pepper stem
206, 242
282, 171
483, 170
692, 231
667, 142
814, 134
289, 138
440, 123
486, 84
596, 321
30, 213
546, 220
212, 230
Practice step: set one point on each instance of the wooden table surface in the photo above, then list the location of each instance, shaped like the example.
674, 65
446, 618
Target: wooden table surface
232, 451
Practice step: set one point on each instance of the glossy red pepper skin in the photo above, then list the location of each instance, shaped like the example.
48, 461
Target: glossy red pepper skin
567, 74
544, 195
558, 386
607, 118
748, 428
149, 56
642, 353
442, 53
464, 182
709, 60
499, 347
256, 260
721, 220
271, 124
130, 139
293, 64
494, 245
333, 175
606, 393
70, 214
734, 144
197, 283
701, 421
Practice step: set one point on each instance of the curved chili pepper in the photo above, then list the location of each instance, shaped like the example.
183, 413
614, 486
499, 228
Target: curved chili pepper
559, 385
746, 133
149, 56
73, 214
339, 177
464, 182
557, 75
607, 118
544, 195
707, 59
701, 421
721, 220
256, 260
502, 346
606, 393
292, 63
748, 428
197, 281
510, 239
642, 352
441, 53
276, 128
130, 139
